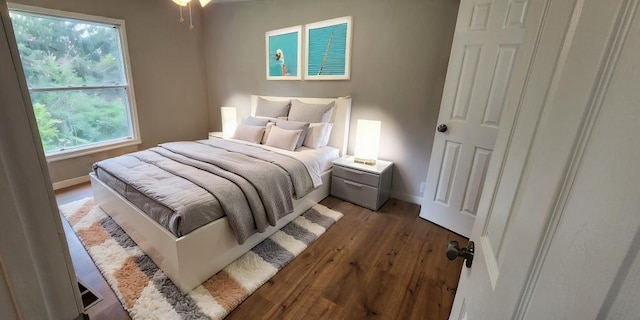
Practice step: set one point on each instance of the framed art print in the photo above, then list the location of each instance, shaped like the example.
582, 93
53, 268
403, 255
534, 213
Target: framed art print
283, 53
328, 49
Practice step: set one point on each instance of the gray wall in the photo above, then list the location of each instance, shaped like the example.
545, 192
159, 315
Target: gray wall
167, 62
399, 61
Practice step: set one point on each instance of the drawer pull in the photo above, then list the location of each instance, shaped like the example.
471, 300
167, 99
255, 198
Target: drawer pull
353, 171
353, 184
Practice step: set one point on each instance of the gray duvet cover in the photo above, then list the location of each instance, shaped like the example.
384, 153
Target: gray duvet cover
185, 185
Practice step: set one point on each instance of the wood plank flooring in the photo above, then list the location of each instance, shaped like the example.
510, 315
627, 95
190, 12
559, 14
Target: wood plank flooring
109, 307
389, 264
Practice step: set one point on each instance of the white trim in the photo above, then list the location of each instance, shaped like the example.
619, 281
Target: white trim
91, 149
407, 197
119, 86
63, 14
126, 63
70, 182
128, 85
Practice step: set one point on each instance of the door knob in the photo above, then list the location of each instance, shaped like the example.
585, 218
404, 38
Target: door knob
454, 251
442, 128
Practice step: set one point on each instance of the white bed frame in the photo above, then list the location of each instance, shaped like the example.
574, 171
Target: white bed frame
191, 259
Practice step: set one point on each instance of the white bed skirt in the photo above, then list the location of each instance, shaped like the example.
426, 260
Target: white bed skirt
193, 258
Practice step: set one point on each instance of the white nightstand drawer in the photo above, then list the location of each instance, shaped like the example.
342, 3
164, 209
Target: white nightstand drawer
357, 176
354, 192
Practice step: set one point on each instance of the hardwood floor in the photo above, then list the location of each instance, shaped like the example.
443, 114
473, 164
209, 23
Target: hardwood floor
109, 307
389, 264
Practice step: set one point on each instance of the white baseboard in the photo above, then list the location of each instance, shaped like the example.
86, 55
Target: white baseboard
70, 182
407, 198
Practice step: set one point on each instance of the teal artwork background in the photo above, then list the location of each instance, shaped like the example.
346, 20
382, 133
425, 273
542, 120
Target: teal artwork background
288, 43
327, 50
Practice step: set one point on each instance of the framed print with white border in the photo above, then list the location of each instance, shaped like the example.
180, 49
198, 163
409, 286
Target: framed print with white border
283, 51
328, 49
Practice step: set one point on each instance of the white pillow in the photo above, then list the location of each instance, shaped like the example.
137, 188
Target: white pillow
249, 133
283, 138
316, 135
267, 130
327, 135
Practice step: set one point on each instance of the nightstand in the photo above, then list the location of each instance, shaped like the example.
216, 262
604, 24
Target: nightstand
365, 185
216, 135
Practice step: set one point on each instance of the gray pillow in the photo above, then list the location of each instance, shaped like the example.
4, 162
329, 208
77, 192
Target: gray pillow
253, 121
294, 125
310, 112
272, 109
249, 133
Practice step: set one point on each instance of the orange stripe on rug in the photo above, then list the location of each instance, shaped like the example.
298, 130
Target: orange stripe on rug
81, 212
94, 235
131, 281
227, 291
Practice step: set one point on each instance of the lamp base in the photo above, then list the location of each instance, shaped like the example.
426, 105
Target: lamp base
370, 162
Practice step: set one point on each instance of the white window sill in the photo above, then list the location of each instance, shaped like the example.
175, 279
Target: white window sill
79, 152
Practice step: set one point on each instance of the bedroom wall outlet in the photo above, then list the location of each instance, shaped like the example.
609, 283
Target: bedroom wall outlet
422, 187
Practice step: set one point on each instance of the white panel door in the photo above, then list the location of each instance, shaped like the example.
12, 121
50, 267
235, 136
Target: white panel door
487, 40
558, 231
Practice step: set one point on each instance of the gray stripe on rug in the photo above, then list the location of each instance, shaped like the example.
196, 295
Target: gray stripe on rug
273, 253
317, 218
183, 304
146, 265
299, 233
117, 233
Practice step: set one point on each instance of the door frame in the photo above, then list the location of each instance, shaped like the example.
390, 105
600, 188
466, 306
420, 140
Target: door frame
37, 278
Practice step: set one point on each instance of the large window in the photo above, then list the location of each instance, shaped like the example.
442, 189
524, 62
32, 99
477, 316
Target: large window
78, 76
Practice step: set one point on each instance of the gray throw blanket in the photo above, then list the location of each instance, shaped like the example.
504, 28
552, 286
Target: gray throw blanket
251, 185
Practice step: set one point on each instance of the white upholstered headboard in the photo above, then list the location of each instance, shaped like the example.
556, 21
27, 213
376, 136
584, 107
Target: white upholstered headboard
341, 117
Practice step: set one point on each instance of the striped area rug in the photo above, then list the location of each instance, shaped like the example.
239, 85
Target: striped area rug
146, 292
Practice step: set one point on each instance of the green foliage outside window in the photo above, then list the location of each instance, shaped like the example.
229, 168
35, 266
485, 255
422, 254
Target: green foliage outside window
74, 70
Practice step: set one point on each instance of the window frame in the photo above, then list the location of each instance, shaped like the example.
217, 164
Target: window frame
128, 86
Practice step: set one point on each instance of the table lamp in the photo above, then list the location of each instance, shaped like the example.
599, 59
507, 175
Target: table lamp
367, 141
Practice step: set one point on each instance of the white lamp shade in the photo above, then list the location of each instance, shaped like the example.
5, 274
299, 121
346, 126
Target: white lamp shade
204, 2
367, 141
182, 3
229, 121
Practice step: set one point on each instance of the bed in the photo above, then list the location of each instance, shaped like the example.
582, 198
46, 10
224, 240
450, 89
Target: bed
191, 258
